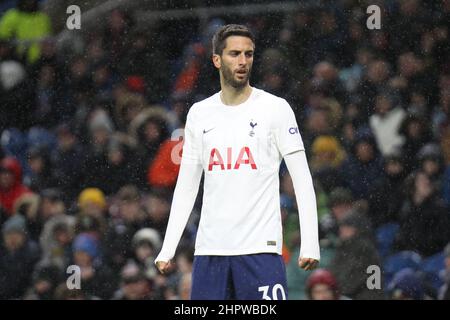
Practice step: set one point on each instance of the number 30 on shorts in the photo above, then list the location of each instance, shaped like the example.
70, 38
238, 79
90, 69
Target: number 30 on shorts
277, 292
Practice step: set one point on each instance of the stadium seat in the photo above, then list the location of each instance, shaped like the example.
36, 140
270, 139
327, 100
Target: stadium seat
14, 143
433, 268
40, 137
385, 236
401, 260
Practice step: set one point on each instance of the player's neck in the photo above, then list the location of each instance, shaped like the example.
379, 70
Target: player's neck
231, 96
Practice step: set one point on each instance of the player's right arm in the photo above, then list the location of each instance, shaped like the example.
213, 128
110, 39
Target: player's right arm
184, 196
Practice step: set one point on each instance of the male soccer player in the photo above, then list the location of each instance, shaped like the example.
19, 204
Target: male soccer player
239, 137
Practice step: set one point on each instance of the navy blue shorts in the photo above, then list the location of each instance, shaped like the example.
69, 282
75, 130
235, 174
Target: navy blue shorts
246, 277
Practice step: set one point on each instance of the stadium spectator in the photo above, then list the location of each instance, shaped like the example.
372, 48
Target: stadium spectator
97, 279
18, 255
45, 279
326, 161
41, 175
340, 204
128, 218
354, 253
133, 285
407, 285
322, 285
28, 25
363, 166
66, 160
416, 133
424, 218
55, 241
385, 123
387, 195
11, 186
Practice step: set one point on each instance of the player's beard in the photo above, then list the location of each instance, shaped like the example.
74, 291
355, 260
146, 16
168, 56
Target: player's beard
230, 79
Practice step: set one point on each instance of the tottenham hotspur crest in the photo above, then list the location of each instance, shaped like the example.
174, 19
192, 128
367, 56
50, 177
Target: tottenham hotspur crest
253, 125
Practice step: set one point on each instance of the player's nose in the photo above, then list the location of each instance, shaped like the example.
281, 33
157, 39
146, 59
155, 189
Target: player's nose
242, 60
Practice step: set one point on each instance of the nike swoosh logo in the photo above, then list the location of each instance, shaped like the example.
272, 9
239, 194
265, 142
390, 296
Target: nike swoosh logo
206, 131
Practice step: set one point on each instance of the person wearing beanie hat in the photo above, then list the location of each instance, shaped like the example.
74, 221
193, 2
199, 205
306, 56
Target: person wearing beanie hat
120, 157
135, 84
16, 223
100, 121
327, 149
406, 285
322, 285
87, 244
146, 243
18, 255
96, 277
340, 196
431, 161
357, 220
147, 235
92, 201
327, 158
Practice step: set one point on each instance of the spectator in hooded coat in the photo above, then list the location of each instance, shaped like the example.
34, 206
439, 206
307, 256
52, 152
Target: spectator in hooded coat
18, 255
387, 194
11, 186
41, 176
362, 168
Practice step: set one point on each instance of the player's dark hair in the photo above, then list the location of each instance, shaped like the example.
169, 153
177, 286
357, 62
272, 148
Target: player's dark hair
221, 35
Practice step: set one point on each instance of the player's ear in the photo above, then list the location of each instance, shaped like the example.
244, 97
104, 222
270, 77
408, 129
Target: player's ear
217, 60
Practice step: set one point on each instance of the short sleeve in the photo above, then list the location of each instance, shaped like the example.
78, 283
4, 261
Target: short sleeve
287, 133
191, 145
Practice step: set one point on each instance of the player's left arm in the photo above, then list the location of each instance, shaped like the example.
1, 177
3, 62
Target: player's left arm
297, 165
290, 146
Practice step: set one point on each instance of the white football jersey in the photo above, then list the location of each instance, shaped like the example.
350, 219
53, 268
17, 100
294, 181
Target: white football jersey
240, 148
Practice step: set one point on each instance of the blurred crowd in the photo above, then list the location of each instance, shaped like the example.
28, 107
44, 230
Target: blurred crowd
90, 136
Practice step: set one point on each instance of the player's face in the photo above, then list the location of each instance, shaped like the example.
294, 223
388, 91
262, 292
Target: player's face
235, 63
322, 292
